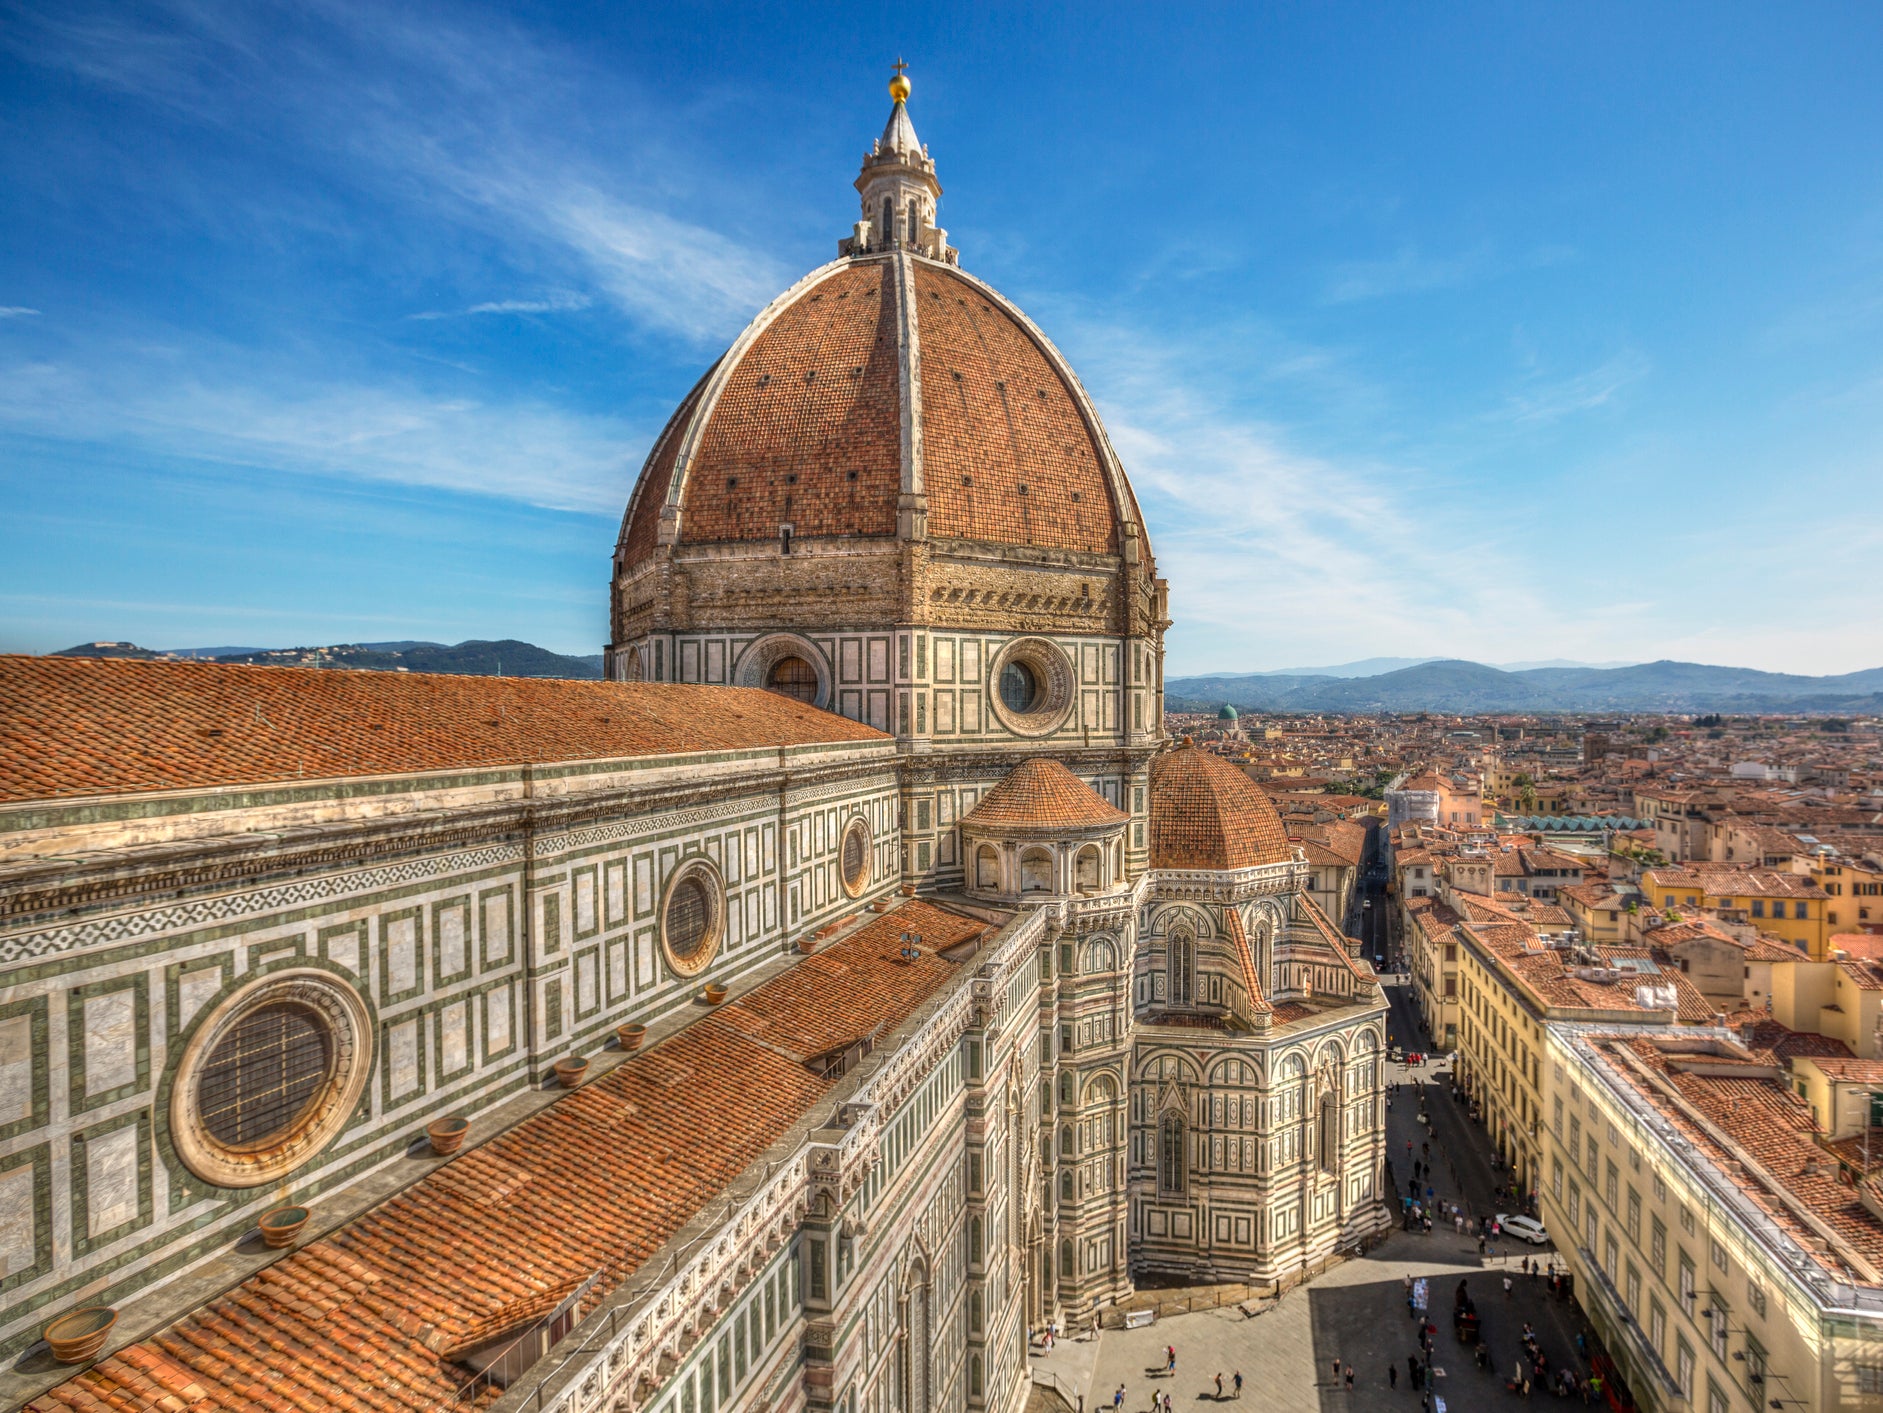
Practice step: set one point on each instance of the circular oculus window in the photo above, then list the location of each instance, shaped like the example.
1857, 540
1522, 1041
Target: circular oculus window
692, 916
270, 1078
1031, 686
853, 857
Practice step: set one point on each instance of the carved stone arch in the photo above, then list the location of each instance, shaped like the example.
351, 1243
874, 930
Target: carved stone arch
764, 655
1101, 954
1171, 915
1229, 1065
1101, 1088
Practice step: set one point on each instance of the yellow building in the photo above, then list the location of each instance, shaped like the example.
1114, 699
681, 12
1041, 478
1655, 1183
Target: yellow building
1598, 910
1510, 988
1788, 906
1841, 998
1854, 894
1714, 1249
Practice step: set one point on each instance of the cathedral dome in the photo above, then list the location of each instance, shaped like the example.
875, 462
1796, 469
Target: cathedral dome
887, 395
1207, 814
880, 384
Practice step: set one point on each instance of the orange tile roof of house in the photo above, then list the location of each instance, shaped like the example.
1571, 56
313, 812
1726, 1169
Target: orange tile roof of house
366, 1316
103, 726
1764, 1119
1039, 795
1206, 814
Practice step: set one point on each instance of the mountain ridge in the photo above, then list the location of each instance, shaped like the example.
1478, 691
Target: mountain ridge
476, 657
1458, 685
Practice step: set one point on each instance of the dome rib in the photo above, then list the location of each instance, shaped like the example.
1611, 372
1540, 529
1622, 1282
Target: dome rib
1041, 795
1206, 814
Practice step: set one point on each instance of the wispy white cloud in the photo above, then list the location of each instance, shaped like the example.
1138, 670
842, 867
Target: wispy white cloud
528, 451
1542, 399
550, 304
15, 311
1413, 271
1275, 553
461, 120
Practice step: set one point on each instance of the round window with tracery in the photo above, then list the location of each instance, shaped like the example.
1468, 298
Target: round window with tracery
1031, 685
793, 677
690, 917
265, 1073
270, 1077
853, 860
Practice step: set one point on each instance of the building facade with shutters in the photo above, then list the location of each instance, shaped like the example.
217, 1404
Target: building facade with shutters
965, 999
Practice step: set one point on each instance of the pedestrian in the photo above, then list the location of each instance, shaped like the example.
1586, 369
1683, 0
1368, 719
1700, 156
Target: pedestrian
1219, 1388
1337, 1371
1171, 1352
1506, 1287
1392, 1376
1118, 1398
1237, 1381
1350, 1378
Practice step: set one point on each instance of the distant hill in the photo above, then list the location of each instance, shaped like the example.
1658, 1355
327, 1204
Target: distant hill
507, 657
1376, 666
1452, 685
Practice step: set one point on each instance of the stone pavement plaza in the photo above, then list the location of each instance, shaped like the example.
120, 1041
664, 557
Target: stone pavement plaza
1355, 1312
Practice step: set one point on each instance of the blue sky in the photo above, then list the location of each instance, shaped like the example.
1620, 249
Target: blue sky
1502, 331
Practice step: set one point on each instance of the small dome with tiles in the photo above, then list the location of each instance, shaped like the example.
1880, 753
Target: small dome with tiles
1206, 814
1041, 797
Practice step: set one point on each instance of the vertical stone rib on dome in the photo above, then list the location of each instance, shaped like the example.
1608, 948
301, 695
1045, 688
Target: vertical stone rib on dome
1206, 814
815, 396
1008, 455
640, 526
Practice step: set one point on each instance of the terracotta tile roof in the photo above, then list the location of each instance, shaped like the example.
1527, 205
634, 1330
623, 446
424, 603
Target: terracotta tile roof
1864, 974
357, 1319
1852, 1071
1760, 1032
808, 428
1006, 455
1337, 842
98, 726
1206, 814
1733, 880
1773, 1125
1042, 794
1251, 983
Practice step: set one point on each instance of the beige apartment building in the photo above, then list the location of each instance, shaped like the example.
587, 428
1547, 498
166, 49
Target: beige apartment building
1723, 1257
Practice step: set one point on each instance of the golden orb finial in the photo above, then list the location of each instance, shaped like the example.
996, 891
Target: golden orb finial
899, 85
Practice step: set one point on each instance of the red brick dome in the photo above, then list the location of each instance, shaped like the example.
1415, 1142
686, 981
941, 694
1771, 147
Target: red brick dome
882, 384
1207, 814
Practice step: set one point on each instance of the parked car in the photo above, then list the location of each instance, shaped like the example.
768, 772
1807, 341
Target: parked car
1524, 1229
1396, 1055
